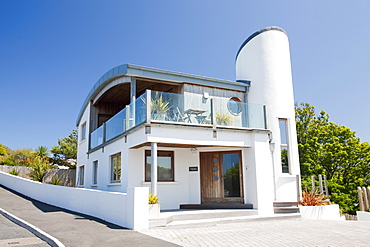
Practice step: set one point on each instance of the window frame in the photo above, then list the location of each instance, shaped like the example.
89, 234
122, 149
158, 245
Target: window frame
95, 168
238, 102
284, 146
81, 175
159, 153
112, 175
83, 131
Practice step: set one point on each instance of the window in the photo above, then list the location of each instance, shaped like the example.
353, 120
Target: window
95, 172
83, 131
115, 167
81, 174
234, 105
165, 165
284, 145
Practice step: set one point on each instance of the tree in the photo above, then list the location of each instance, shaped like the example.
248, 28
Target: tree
41, 151
3, 150
66, 150
332, 150
20, 157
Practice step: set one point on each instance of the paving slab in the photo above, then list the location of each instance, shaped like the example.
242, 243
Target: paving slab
267, 232
71, 228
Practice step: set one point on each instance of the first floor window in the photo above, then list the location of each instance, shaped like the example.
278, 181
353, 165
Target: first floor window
284, 145
95, 172
165, 166
83, 131
115, 167
81, 174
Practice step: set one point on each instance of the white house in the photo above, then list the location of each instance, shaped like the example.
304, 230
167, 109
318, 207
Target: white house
194, 140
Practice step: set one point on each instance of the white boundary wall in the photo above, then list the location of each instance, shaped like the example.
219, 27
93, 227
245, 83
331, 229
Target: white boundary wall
128, 210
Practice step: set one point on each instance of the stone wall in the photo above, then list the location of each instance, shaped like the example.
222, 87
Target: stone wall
67, 176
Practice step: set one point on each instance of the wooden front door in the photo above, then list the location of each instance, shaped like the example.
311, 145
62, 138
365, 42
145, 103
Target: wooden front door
221, 177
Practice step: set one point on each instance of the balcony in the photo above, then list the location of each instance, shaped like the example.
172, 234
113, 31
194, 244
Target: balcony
184, 109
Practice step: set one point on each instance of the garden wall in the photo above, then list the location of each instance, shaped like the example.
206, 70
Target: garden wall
128, 210
66, 176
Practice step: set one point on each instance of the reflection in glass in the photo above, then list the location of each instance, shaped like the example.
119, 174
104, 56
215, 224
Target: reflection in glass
164, 166
231, 175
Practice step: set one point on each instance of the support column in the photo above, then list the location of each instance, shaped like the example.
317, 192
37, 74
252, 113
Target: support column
153, 177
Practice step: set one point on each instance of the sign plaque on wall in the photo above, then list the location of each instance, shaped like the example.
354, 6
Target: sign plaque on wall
193, 169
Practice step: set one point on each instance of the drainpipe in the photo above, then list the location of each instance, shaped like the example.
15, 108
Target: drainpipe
153, 177
272, 148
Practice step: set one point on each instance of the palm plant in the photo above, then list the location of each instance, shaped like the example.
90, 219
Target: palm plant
55, 180
14, 172
313, 198
223, 119
39, 168
158, 106
153, 199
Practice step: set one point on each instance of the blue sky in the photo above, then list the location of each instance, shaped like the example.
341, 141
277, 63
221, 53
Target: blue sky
52, 53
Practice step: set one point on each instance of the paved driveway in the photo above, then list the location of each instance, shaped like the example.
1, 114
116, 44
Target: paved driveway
277, 232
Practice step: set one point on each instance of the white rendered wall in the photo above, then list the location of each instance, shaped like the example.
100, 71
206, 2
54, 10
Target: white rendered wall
83, 145
265, 61
124, 209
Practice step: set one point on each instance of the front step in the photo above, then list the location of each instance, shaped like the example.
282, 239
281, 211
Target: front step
286, 207
184, 217
217, 206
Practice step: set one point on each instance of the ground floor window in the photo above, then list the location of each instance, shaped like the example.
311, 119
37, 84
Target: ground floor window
165, 165
115, 167
95, 172
81, 174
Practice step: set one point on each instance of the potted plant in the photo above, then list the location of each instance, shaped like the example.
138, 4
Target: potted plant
223, 119
159, 107
154, 206
316, 206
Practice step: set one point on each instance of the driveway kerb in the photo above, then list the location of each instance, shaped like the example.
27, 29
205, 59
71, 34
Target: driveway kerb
52, 241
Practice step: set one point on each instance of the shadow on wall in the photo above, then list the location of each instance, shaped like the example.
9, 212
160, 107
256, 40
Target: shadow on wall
66, 176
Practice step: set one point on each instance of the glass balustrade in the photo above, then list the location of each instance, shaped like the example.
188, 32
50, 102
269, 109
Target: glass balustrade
187, 108
96, 137
181, 108
234, 113
115, 125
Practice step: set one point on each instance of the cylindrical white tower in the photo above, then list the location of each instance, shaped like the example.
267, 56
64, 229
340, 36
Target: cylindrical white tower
264, 60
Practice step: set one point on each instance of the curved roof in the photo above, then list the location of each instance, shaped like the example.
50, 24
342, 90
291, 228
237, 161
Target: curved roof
256, 34
159, 74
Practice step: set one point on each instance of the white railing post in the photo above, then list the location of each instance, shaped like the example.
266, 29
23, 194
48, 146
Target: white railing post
148, 106
127, 118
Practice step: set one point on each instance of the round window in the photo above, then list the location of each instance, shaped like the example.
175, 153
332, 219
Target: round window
234, 105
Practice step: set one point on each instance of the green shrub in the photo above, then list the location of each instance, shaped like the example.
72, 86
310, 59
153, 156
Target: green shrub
14, 172
55, 180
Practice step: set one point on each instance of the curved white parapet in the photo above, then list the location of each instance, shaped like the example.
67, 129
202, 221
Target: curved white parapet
264, 61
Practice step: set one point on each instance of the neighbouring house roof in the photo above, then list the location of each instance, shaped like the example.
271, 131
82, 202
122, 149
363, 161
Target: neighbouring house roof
159, 74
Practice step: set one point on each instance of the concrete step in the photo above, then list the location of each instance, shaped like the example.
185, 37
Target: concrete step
285, 204
215, 218
182, 217
217, 206
285, 207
